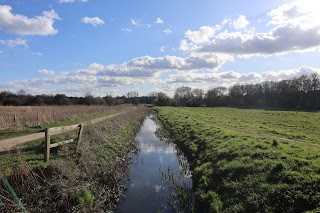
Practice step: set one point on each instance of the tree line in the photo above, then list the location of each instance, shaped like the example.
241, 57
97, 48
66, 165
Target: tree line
297, 93
21, 98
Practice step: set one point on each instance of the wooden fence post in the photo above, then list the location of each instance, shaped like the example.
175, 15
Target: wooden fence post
47, 146
38, 118
15, 120
79, 136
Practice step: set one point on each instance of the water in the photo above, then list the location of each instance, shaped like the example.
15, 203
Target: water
160, 176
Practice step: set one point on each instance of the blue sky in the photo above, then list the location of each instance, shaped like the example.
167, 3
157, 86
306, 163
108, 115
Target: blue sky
80, 46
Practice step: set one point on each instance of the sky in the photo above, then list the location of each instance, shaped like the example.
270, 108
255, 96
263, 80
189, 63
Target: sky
117, 46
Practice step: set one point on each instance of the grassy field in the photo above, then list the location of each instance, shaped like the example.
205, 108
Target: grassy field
87, 181
17, 118
73, 115
249, 160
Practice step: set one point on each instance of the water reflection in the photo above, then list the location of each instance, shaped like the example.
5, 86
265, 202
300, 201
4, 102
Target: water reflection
153, 179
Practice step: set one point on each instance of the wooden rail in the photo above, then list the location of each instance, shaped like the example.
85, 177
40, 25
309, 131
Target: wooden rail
62, 129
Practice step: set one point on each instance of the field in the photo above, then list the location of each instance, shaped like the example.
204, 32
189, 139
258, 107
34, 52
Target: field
18, 118
87, 181
249, 160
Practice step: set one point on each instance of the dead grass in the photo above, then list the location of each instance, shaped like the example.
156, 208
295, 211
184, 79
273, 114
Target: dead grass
88, 181
19, 117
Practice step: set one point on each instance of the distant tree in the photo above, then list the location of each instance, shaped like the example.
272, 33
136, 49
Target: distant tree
22, 92
163, 99
132, 94
198, 97
37, 100
109, 100
215, 96
88, 99
61, 99
315, 81
135, 101
183, 96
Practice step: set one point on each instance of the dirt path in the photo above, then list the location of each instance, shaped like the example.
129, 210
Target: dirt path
10, 143
259, 134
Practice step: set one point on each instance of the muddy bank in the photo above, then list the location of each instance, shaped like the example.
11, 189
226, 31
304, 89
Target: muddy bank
88, 181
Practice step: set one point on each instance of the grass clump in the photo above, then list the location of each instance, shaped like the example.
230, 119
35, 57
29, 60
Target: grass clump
85, 197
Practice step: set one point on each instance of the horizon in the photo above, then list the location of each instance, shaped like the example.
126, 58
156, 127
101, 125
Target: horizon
77, 47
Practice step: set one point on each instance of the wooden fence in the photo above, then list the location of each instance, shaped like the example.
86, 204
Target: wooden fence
62, 129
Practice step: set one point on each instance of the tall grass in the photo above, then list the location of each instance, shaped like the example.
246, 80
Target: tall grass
19, 117
87, 181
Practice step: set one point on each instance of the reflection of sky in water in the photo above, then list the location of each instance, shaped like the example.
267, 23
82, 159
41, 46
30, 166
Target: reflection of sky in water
147, 191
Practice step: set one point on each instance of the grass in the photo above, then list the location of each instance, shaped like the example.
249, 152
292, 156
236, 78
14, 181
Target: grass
32, 152
88, 181
68, 115
240, 167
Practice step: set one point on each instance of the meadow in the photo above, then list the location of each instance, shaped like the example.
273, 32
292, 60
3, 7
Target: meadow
247, 160
84, 181
21, 117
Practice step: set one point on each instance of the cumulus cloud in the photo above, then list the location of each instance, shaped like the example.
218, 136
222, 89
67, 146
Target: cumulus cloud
240, 23
301, 12
229, 78
148, 67
167, 31
203, 35
296, 29
20, 24
13, 43
95, 21
46, 72
282, 39
70, 84
159, 21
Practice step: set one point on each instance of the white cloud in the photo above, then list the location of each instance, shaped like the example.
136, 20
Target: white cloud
135, 22
229, 78
126, 30
20, 24
149, 67
240, 23
162, 49
95, 21
46, 72
202, 35
159, 21
296, 29
301, 12
282, 39
167, 31
13, 43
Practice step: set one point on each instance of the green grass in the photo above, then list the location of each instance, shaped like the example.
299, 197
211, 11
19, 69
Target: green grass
241, 161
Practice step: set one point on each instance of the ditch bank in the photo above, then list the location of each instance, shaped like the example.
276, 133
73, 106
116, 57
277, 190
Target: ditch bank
87, 181
239, 172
